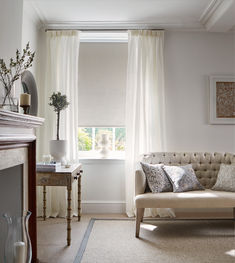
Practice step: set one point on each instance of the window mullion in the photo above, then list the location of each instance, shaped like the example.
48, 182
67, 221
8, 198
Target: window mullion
114, 139
93, 138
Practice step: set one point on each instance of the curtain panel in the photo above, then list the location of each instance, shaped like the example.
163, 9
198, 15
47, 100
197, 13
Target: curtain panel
61, 74
145, 105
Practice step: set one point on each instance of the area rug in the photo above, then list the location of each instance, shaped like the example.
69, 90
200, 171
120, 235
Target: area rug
163, 241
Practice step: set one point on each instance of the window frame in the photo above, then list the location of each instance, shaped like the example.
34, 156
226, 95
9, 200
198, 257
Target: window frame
93, 153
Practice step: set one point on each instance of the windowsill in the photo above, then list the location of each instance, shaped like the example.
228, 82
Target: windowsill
95, 156
90, 159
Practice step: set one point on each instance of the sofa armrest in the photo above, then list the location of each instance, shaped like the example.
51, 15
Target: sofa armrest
140, 182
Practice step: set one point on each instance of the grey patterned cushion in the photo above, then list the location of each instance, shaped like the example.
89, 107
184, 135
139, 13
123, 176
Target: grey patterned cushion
183, 178
225, 179
156, 178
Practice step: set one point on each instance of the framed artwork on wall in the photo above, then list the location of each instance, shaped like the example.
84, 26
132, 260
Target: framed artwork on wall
222, 99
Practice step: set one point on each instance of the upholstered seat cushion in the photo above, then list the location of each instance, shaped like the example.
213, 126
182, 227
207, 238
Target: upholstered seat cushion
192, 199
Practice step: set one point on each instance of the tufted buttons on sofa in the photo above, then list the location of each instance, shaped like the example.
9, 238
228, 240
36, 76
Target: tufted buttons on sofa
205, 165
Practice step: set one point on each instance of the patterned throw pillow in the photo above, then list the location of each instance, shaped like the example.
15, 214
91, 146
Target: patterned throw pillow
156, 178
225, 179
183, 178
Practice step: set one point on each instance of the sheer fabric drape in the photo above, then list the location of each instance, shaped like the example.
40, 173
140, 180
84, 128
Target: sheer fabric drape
61, 74
145, 106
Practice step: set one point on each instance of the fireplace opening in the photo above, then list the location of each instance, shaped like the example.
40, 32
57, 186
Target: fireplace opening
11, 198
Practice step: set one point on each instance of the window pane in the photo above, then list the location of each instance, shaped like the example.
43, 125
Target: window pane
99, 132
120, 135
85, 139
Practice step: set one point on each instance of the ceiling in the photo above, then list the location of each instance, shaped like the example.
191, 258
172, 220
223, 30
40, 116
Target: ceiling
208, 15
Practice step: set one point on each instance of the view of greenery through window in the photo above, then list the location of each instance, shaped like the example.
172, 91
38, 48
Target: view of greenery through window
88, 138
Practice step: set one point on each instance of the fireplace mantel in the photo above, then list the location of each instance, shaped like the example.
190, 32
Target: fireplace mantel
17, 131
13, 119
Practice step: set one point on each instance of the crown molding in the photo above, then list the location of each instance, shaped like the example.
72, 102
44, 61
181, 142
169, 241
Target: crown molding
30, 12
123, 25
209, 11
215, 16
38, 13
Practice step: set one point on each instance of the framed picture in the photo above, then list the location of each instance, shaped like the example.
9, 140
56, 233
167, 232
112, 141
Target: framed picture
222, 99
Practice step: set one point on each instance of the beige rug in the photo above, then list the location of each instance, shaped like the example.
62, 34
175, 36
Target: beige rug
113, 241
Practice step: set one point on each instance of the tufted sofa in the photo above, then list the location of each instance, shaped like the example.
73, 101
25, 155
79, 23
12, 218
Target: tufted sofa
206, 167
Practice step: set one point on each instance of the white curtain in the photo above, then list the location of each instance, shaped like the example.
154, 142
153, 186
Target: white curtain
145, 106
61, 74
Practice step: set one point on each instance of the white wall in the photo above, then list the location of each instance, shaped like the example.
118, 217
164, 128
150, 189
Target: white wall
33, 33
189, 59
10, 29
103, 184
30, 33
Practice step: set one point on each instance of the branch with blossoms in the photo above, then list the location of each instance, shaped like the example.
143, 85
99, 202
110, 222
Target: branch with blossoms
9, 74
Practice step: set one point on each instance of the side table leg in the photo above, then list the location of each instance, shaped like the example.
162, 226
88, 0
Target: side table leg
79, 198
69, 216
44, 203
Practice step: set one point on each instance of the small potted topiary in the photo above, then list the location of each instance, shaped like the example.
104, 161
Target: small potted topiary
58, 147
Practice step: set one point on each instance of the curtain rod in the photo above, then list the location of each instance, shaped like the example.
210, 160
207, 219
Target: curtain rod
101, 29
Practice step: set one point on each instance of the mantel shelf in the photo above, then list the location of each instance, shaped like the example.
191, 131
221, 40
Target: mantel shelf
13, 119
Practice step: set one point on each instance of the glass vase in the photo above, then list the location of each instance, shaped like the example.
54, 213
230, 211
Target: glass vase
8, 101
18, 247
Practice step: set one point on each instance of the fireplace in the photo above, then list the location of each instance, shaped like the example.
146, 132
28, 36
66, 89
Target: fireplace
18, 171
11, 202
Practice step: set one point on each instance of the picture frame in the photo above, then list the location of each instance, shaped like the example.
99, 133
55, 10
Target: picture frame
222, 100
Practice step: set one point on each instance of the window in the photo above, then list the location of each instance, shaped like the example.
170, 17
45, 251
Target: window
89, 138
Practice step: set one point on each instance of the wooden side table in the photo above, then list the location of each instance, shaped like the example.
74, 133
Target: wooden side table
62, 177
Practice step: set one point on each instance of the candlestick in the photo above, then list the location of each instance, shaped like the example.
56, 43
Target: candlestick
19, 252
25, 99
25, 108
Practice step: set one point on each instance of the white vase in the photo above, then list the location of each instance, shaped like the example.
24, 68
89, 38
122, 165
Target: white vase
104, 144
58, 149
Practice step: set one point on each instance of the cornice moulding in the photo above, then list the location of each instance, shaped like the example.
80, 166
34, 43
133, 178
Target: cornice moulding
209, 11
214, 13
123, 25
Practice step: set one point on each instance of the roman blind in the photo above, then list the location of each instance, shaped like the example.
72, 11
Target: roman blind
102, 84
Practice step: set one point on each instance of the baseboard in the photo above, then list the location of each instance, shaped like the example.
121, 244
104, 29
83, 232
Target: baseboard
103, 207
118, 207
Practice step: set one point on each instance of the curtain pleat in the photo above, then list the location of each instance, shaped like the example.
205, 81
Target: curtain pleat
145, 107
61, 74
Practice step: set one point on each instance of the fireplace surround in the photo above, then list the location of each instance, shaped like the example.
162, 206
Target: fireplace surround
18, 166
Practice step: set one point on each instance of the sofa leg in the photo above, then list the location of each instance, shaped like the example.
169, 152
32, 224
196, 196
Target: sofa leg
139, 218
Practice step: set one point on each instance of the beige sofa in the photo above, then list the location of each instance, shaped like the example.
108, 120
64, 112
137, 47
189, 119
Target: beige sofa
206, 167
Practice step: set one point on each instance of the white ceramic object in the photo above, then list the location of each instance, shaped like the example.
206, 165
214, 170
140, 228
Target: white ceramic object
46, 158
104, 144
58, 149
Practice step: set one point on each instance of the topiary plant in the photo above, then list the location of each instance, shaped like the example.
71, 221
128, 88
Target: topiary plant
59, 102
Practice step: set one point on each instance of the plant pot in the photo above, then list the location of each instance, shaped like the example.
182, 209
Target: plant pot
58, 149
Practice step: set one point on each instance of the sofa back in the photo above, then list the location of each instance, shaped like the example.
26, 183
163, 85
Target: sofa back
205, 165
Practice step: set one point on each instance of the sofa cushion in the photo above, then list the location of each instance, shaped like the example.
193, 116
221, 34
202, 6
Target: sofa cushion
182, 178
226, 178
194, 199
156, 178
